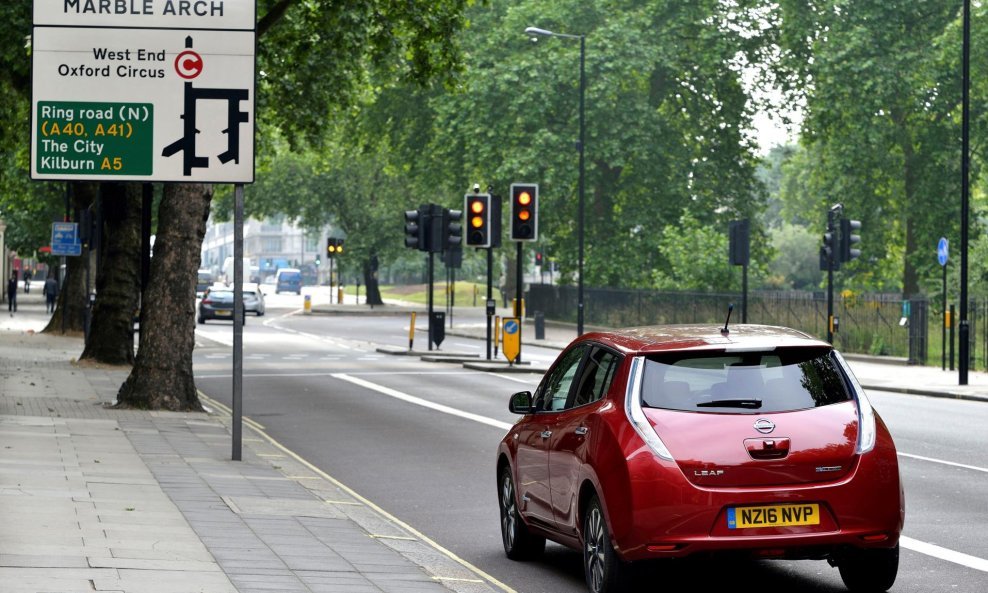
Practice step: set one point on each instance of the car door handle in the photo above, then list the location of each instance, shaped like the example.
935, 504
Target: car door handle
582, 431
546, 434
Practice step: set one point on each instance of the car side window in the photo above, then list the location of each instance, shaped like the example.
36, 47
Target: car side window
596, 378
557, 386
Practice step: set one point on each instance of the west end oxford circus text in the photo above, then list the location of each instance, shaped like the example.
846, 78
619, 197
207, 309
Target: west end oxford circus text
122, 71
147, 7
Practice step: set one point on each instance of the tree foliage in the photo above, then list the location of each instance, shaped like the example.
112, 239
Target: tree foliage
881, 85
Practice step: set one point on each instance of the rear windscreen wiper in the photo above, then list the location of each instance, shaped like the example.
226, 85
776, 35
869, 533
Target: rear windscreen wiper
753, 404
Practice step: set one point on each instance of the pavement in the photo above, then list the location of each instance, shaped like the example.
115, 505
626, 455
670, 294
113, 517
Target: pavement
98, 499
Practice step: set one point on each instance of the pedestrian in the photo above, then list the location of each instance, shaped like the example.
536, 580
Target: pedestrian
27, 281
12, 293
51, 293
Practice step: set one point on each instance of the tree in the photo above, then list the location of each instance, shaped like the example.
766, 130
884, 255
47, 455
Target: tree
880, 81
321, 50
667, 120
111, 336
162, 374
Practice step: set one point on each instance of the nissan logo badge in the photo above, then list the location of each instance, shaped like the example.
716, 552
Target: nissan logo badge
764, 425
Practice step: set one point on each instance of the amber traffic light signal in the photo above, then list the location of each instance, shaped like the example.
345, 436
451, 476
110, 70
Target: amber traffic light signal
477, 208
334, 247
524, 212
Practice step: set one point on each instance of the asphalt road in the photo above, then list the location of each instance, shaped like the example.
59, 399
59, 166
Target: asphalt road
318, 386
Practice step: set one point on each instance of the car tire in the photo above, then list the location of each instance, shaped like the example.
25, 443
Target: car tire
604, 571
201, 321
519, 543
869, 571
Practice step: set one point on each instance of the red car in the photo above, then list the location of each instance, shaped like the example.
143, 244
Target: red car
667, 441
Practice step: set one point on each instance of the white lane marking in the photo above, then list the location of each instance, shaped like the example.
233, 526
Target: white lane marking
944, 554
941, 461
422, 402
328, 374
515, 379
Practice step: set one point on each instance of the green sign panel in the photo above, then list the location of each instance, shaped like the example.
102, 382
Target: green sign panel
80, 138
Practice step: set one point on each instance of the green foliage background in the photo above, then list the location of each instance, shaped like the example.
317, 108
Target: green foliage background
381, 105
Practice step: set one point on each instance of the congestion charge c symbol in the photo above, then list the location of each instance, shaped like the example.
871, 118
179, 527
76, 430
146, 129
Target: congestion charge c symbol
188, 64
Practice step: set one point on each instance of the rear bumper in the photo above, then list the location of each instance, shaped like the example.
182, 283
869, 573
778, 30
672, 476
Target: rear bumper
665, 515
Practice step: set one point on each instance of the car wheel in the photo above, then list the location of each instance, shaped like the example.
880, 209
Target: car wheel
519, 543
604, 570
869, 571
201, 321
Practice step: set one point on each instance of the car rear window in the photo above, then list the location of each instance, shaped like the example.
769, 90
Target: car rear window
744, 382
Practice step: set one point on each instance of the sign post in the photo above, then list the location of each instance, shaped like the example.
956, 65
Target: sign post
943, 251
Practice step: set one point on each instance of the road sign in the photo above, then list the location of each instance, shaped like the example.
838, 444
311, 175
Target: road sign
152, 92
943, 250
511, 338
65, 239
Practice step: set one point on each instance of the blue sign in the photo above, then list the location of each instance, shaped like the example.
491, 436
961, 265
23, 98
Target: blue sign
511, 327
65, 239
943, 250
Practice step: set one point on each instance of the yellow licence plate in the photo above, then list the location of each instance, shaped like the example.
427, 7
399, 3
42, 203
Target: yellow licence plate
222, 313
779, 515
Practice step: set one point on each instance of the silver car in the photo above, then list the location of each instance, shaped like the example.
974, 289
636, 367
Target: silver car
253, 299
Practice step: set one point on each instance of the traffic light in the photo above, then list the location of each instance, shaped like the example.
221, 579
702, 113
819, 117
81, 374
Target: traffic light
828, 252
524, 212
847, 239
478, 210
538, 258
414, 231
454, 228
739, 247
334, 247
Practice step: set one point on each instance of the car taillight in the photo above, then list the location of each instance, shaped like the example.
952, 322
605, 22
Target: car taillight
633, 410
867, 431
207, 301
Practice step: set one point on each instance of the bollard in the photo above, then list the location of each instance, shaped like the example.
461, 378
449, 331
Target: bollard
307, 305
339, 295
539, 325
411, 332
497, 333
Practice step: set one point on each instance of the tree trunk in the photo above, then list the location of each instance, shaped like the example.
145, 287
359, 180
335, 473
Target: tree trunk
162, 374
370, 280
111, 333
70, 313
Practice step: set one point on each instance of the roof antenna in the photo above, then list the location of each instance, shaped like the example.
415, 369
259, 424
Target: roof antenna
726, 331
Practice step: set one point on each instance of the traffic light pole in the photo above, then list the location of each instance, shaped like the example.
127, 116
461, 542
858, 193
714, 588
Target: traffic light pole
833, 216
432, 269
830, 299
490, 297
518, 302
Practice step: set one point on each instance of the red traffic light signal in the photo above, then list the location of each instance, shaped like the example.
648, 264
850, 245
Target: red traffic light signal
524, 212
478, 211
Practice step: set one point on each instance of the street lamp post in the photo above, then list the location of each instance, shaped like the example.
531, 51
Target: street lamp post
580, 217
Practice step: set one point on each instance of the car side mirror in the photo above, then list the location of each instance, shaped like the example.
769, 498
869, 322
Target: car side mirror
520, 403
